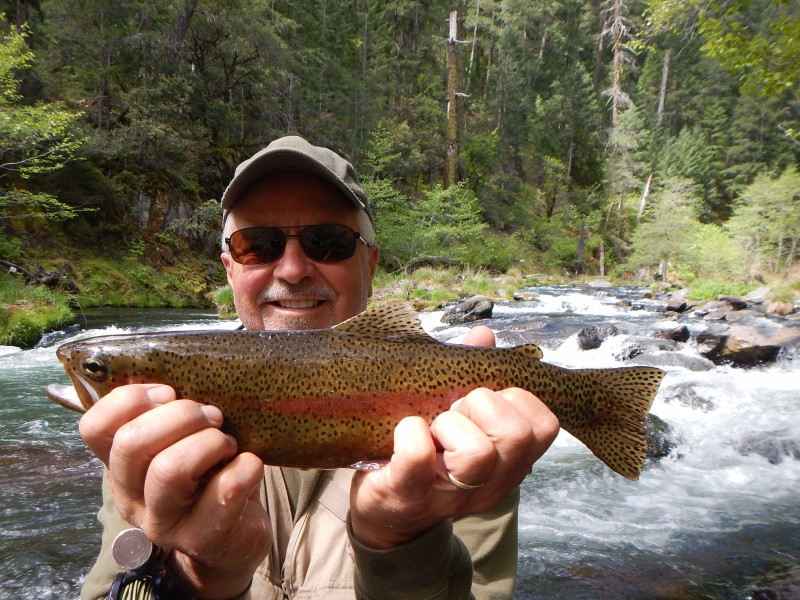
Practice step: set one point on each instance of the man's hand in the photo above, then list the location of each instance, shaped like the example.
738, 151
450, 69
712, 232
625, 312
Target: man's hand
488, 442
178, 477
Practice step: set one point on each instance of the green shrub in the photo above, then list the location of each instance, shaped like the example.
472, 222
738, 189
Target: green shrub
223, 300
710, 290
29, 311
783, 293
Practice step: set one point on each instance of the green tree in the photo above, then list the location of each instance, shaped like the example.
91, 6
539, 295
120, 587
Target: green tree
439, 223
767, 220
663, 239
35, 139
759, 40
688, 155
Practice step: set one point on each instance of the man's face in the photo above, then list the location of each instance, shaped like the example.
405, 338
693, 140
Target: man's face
295, 292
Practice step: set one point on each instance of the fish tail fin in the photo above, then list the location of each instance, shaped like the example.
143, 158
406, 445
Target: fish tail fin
613, 428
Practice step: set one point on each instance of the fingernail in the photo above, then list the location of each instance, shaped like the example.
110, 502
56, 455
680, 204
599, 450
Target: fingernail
160, 394
212, 413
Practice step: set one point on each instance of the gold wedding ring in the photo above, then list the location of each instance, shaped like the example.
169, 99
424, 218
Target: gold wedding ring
461, 484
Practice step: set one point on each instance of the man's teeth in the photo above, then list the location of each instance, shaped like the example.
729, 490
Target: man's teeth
298, 303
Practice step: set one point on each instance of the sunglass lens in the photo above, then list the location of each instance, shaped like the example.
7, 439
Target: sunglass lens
257, 245
328, 243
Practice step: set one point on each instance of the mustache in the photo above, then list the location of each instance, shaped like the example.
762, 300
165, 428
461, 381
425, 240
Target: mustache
284, 291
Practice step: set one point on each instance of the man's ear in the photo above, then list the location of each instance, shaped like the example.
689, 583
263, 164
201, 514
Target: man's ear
372, 265
227, 262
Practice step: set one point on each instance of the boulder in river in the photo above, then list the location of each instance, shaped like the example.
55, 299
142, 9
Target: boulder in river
525, 296
782, 309
676, 334
633, 346
659, 437
468, 310
593, 336
678, 302
746, 345
775, 446
690, 362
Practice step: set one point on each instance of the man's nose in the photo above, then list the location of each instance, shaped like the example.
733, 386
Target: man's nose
294, 265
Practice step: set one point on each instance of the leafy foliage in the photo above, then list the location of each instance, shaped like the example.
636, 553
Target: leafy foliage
767, 220
34, 139
167, 101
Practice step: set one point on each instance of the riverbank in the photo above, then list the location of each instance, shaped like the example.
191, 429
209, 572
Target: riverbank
28, 311
80, 282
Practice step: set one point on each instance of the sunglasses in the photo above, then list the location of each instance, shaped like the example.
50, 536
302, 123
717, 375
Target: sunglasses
323, 243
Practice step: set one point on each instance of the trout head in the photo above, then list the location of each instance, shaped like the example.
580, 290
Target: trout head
94, 370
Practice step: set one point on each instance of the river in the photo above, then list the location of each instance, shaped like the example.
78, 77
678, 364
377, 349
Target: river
718, 518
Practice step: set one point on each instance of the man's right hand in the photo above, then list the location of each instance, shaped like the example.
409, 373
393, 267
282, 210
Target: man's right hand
177, 476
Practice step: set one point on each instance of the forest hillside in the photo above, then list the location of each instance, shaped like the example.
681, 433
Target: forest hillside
645, 139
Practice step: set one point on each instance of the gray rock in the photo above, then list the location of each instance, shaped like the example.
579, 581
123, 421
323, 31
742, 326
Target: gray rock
708, 307
758, 295
736, 302
636, 346
524, 296
775, 447
659, 437
678, 302
738, 316
746, 345
468, 310
593, 336
718, 313
676, 334
599, 284
686, 394
673, 359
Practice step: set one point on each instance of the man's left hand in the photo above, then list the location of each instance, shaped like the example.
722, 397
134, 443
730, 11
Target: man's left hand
487, 442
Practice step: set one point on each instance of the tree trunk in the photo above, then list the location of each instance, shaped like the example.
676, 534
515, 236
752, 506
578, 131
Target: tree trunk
180, 27
581, 247
570, 154
662, 95
474, 50
602, 259
791, 255
597, 76
454, 104
22, 14
489, 63
358, 120
645, 194
617, 27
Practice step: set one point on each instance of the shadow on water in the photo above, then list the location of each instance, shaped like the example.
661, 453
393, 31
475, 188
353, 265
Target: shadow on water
731, 566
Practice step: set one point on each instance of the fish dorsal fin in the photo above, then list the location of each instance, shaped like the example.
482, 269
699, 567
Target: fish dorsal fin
393, 320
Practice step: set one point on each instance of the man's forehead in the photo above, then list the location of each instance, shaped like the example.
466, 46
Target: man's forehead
293, 193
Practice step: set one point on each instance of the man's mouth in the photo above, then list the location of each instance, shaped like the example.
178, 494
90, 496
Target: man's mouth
298, 303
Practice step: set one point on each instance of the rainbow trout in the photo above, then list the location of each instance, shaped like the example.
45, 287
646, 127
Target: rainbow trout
332, 398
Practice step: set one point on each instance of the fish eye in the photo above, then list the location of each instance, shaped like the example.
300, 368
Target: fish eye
95, 368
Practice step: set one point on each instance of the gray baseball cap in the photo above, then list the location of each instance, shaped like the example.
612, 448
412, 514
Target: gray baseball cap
293, 153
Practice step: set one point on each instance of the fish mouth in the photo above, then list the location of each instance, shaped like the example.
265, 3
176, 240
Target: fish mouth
80, 396
67, 396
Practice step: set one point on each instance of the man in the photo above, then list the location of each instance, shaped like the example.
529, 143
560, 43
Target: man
299, 252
